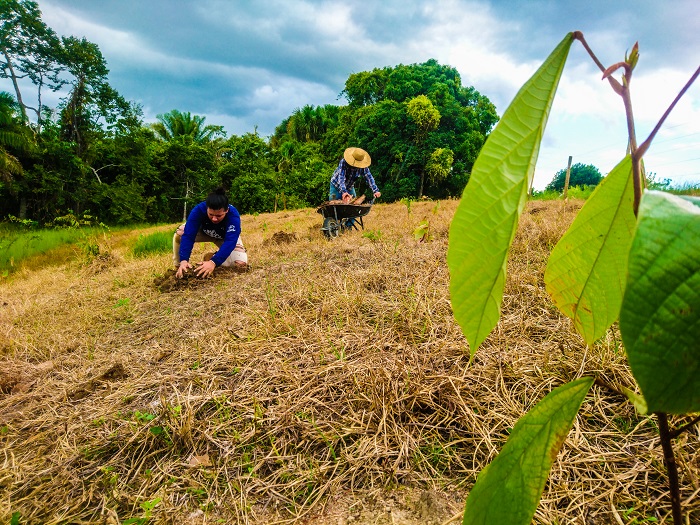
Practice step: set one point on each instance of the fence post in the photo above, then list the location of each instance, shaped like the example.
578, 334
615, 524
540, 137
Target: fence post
566, 182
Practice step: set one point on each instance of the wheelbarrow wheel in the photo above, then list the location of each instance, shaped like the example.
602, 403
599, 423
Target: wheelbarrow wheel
331, 228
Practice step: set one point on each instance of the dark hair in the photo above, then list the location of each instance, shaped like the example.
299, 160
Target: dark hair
217, 200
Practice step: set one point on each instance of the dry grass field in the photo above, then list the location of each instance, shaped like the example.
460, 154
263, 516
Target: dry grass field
329, 384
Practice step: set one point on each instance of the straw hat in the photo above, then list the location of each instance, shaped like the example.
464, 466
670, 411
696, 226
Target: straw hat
357, 157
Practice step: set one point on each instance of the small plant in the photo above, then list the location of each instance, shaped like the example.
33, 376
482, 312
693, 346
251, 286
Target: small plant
407, 201
26, 224
422, 232
629, 256
147, 507
373, 235
70, 220
90, 248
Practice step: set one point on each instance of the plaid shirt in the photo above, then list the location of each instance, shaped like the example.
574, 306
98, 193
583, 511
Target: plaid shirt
344, 177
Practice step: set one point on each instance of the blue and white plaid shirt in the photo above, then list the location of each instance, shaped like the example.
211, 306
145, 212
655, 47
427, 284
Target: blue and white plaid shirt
344, 177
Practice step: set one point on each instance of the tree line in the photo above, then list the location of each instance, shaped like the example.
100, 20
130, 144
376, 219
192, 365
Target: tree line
94, 153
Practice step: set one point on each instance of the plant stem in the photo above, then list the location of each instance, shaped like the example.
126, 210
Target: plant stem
622, 89
645, 145
671, 467
677, 432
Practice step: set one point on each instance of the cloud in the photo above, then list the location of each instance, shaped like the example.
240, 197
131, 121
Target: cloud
247, 64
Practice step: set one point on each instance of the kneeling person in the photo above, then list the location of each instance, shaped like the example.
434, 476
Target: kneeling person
213, 220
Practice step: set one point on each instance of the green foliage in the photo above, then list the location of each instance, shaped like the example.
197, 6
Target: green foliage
147, 507
509, 489
580, 175
586, 272
158, 242
186, 127
421, 126
660, 318
422, 232
487, 216
373, 235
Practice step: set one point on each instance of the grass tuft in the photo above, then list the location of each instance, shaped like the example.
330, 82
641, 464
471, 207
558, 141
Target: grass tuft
153, 243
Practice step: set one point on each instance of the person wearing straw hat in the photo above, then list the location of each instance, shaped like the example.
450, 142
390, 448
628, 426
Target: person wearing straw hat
354, 163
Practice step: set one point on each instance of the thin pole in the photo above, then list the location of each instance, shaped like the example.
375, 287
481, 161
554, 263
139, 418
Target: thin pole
566, 182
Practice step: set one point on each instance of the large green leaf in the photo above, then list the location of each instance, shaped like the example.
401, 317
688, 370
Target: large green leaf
660, 316
486, 219
587, 269
509, 489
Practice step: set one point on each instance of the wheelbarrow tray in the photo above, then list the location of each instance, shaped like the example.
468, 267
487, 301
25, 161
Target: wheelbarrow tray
344, 211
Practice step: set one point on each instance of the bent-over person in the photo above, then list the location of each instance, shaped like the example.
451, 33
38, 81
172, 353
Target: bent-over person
214, 220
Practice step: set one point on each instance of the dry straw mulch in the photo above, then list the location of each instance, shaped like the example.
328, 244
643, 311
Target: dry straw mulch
327, 384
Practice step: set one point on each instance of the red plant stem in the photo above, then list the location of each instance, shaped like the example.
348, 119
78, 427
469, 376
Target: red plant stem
624, 91
645, 145
671, 467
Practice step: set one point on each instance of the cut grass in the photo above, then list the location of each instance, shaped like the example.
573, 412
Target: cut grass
327, 384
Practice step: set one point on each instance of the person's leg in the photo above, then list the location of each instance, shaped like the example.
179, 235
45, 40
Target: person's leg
334, 193
238, 257
176, 245
350, 223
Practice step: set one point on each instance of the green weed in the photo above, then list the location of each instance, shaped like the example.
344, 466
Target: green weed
154, 243
373, 235
147, 507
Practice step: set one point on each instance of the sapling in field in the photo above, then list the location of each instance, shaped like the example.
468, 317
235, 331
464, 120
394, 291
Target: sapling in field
631, 256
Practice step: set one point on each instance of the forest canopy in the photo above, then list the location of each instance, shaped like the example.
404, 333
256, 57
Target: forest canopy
94, 153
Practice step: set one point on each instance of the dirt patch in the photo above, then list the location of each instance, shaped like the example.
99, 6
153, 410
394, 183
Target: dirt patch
17, 377
402, 506
113, 373
281, 238
168, 282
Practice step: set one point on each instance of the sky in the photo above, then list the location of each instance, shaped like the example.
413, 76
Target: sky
248, 64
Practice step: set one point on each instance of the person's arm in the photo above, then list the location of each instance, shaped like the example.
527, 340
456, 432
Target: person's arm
372, 184
192, 226
339, 177
233, 232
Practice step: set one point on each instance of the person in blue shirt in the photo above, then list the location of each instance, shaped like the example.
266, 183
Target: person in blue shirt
213, 220
354, 164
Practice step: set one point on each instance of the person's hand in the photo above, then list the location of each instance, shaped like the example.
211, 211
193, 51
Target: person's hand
377, 194
346, 197
184, 266
205, 269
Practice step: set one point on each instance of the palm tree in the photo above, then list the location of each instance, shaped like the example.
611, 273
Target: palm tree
178, 125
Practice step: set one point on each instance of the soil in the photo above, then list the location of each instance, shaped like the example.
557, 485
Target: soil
402, 506
281, 238
168, 282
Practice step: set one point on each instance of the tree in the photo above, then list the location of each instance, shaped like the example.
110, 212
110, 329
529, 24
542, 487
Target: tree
28, 49
11, 136
580, 175
400, 143
184, 126
426, 119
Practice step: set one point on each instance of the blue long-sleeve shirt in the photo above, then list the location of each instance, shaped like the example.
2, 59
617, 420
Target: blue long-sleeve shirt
344, 177
228, 230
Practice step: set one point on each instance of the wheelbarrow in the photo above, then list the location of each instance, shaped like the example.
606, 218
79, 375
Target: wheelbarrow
339, 217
